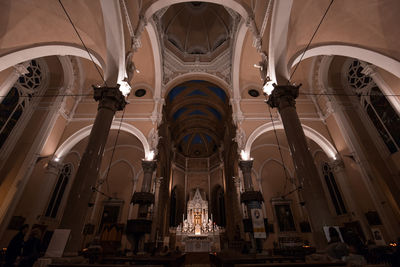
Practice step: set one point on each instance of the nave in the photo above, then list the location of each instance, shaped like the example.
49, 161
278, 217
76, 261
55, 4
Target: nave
215, 132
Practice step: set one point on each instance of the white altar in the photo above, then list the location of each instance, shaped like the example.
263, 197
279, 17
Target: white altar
198, 232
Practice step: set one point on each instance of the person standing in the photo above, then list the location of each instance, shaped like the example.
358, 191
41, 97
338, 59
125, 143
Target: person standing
31, 249
15, 246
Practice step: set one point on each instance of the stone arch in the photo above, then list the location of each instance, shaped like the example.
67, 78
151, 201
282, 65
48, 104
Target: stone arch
30, 53
328, 148
379, 60
157, 5
197, 76
71, 141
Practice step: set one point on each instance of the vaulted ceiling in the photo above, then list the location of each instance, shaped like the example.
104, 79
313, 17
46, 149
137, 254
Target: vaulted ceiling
196, 28
197, 111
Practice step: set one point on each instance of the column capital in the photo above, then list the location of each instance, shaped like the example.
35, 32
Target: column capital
283, 96
337, 165
53, 166
109, 98
246, 165
149, 165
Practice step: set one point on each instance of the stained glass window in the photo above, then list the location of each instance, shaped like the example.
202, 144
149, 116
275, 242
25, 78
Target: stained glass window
18, 98
379, 110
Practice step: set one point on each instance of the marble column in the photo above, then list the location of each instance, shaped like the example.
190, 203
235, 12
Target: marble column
156, 213
283, 98
148, 169
251, 198
110, 100
137, 228
337, 167
245, 166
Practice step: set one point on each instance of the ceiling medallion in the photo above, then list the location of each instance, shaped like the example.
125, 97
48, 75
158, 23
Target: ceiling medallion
140, 92
253, 93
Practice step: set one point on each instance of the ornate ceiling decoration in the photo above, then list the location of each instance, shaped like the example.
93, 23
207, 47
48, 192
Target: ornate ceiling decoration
196, 37
196, 28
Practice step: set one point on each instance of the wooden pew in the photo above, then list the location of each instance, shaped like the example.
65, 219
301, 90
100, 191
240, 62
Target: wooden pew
171, 260
261, 260
148, 261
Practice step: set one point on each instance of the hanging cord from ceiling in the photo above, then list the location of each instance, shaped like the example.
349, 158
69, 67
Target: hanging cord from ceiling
280, 153
113, 151
312, 38
83, 43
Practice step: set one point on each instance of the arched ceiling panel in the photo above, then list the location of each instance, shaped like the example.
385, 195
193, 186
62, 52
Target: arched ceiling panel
196, 111
45, 22
370, 24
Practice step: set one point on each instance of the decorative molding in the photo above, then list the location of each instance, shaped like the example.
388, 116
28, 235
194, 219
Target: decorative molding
128, 20
240, 138
266, 17
153, 139
174, 66
30, 107
136, 40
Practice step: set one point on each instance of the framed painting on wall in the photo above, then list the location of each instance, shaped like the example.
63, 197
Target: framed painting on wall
284, 216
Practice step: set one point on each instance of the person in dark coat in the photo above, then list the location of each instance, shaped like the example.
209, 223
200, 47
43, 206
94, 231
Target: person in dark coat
31, 249
15, 246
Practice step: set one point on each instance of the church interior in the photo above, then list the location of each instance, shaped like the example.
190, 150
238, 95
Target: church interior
215, 132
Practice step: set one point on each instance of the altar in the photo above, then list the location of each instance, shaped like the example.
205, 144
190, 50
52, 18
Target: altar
198, 232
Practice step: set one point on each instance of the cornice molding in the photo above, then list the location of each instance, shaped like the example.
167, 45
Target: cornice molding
174, 66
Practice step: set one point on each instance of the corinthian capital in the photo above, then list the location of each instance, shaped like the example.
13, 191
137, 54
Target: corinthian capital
337, 165
283, 96
109, 98
246, 165
149, 166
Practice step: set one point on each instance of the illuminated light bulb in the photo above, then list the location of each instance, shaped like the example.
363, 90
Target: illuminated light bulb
150, 156
268, 87
124, 87
244, 155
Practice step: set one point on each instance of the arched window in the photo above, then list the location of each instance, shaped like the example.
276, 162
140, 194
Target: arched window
59, 190
18, 99
377, 107
333, 189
